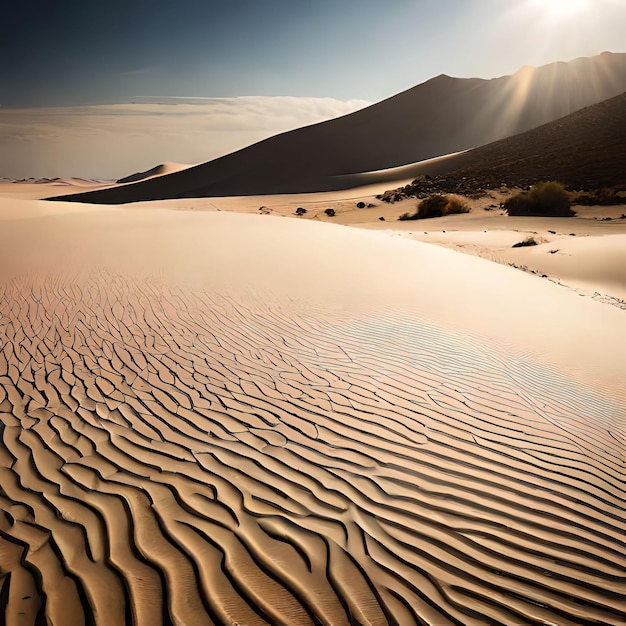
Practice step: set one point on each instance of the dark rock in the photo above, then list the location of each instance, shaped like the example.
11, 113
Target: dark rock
330, 212
527, 242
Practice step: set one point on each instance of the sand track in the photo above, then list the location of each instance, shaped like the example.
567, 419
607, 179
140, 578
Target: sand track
170, 455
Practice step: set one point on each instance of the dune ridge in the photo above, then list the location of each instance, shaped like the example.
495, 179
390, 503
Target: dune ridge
157, 170
174, 452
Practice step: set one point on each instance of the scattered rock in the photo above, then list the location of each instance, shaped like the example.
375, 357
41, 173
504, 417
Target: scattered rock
552, 232
300, 211
360, 205
394, 195
330, 212
382, 219
529, 241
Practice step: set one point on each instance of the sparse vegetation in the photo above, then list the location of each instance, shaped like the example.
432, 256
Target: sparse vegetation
546, 199
437, 206
601, 197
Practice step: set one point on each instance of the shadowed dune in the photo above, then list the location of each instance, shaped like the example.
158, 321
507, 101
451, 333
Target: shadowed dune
441, 116
198, 425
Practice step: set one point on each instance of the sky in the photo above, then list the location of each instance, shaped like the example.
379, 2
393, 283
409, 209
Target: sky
70, 52
77, 53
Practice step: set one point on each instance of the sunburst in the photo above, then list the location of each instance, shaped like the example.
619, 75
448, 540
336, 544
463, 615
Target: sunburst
561, 8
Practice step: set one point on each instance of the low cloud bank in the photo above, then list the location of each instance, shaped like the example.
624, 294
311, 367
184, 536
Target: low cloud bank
111, 141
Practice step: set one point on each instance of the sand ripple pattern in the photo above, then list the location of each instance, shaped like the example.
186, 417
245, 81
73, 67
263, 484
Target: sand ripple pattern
173, 457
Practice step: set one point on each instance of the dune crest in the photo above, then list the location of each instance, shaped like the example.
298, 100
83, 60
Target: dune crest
157, 170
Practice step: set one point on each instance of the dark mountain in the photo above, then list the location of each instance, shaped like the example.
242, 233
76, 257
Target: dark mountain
440, 116
584, 150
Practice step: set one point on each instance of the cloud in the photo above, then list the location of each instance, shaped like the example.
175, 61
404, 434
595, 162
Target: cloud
110, 141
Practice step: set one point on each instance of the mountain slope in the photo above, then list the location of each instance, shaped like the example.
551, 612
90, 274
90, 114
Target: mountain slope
440, 116
584, 150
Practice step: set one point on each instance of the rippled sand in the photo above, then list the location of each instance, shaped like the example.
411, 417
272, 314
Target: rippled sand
213, 418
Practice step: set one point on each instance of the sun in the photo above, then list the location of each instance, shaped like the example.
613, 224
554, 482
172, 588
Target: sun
561, 8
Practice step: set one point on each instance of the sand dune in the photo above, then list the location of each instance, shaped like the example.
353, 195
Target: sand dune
441, 116
594, 265
220, 418
30, 190
157, 170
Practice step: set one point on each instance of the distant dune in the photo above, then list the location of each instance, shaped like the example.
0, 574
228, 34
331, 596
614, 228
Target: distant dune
157, 170
438, 117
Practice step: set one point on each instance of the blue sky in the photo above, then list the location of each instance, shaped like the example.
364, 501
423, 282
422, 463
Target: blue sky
69, 52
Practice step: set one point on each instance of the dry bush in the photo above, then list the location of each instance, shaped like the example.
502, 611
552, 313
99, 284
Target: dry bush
437, 206
547, 199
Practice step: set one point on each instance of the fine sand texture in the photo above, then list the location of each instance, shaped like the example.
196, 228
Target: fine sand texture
219, 418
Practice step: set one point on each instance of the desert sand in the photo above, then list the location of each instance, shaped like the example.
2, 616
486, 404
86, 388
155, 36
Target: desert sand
217, 413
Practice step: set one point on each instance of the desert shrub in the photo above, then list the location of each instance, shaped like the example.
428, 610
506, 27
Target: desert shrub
456, 205
548, 199
433, 206
518, 205
437, 206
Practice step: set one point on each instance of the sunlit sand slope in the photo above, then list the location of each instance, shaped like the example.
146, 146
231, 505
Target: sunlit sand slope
198, 425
